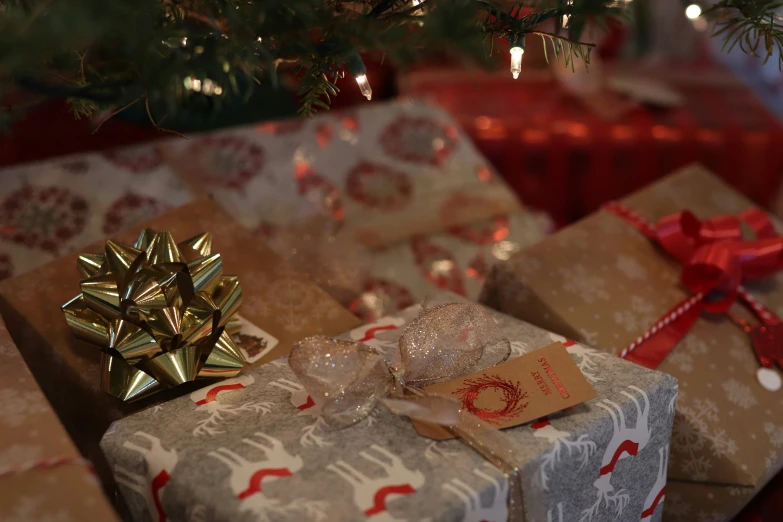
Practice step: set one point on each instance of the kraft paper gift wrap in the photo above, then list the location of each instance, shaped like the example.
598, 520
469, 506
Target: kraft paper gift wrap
254, 449
284, 304
602, 281
31, 435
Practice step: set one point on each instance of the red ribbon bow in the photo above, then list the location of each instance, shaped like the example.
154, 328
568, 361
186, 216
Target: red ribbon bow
716, 261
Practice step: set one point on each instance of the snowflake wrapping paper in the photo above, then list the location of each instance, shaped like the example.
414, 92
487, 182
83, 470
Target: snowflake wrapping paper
602, 282
284, 305
30, 435
255, 450
385, 172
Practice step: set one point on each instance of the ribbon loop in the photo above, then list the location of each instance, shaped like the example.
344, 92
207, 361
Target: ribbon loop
716, 262
348, 378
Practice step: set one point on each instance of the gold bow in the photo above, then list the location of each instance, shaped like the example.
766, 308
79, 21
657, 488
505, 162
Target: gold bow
158, 310
350, 378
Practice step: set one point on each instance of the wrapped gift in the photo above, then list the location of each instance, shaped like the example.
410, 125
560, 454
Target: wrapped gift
605, 282
51, 208
559, 155
456, 260
37, 454
603, 459
382, 173
282, 305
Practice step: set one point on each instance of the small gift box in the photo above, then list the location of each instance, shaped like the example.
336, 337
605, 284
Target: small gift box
631, 288
279, 460
281, 306
42, 475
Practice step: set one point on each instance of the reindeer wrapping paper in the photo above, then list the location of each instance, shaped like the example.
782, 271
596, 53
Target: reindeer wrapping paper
30, 437
603, 282
285, 305
254, 449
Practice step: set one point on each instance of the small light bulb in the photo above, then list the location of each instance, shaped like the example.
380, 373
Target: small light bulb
364, 86
516, 61
693, 11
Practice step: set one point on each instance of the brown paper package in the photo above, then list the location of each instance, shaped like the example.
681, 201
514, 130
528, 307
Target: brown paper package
30, 432
279, 301
602, 282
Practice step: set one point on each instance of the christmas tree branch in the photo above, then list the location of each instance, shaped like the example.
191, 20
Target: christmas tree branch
750, 24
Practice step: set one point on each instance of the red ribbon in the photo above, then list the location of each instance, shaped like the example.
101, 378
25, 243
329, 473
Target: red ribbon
716, 262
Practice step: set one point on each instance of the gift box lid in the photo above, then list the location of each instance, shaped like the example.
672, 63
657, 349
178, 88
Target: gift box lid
36, 453
603, 458
602, 281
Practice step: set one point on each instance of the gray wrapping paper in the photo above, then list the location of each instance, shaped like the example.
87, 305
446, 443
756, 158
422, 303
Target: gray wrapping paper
252, 448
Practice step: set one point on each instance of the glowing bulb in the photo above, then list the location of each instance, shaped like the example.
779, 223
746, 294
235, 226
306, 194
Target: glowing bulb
516, 61
364, 86
693, 11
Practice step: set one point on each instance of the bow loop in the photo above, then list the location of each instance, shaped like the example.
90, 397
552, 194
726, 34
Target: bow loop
347, 378
446, 340
715, 257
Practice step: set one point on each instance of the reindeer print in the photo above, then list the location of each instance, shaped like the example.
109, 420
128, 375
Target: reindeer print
300, 399
550, 516
160, 464
496, 511
367, 334
206, 400
588, 357
582, 447
249, 476
625, 442
658, 491
371, 494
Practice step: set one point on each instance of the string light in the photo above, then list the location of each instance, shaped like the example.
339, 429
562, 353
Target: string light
364, 86
693, 11
419, 11
358, 70
566, 18
516, 60
207, 86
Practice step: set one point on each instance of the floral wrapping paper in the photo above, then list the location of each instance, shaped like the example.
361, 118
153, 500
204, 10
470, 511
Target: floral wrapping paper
384, 173
373, 168
603, 282
456, 260
30, 433
254, 449
51, 208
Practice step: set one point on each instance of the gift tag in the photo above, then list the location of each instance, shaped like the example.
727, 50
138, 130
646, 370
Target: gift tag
253, 342
515, 392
